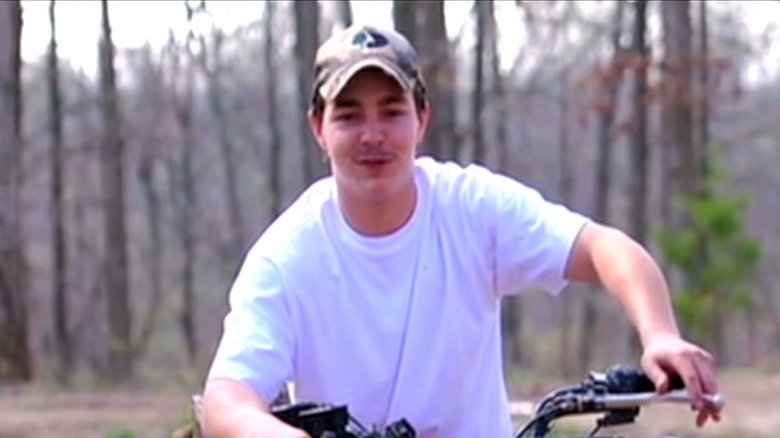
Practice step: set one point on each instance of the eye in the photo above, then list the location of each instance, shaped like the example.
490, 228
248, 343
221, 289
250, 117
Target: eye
345, 116
394, 111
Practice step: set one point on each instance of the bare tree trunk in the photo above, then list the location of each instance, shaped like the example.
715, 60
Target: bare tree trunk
188, 312
88, 278
147, 172
704, 85
768, 305
639, 147
718, 320
438, 70
498, 90
478, 92
405, 17
512, 327
423, 25
609, 86
610, 83
146, 176
59, 251
307, 28
566, 193
566, 169
275, 163
681, 170
15, 355
213, 76
186, 207
120, 348
345, 12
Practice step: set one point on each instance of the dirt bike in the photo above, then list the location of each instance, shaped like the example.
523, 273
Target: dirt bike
618, 394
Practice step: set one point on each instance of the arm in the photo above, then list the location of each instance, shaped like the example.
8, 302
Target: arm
253, 357
608, 257
231, 410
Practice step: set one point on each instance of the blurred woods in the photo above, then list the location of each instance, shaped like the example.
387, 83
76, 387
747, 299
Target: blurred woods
128, 197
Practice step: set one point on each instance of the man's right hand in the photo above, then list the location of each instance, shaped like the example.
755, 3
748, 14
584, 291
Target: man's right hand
231, 410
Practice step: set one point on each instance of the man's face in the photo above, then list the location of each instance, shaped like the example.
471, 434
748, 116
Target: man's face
370, 133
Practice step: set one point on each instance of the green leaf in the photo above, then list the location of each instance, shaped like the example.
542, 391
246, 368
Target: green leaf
740, 300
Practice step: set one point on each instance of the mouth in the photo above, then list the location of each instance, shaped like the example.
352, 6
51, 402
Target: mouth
375, 158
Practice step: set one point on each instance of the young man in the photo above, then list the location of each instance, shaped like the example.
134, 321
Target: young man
380, 286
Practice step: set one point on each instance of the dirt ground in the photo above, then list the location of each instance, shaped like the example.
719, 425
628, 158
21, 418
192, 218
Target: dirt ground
752, 411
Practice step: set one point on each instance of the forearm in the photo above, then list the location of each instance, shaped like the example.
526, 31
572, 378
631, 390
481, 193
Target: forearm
630, 274
231, 410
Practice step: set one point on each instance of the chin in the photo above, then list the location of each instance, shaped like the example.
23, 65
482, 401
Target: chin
378, 191
375, 188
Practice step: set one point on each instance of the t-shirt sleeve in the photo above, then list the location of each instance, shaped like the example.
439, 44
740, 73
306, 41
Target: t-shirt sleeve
531, 237
257, 343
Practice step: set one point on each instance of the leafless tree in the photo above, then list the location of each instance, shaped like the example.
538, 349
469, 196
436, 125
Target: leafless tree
679, 161
62, 330
213, 69
639, 139
120, 347
422, 23
183, 182
483, 10
275, 135
345, 12
15, 356
405, 18
148, 174
439, 72
307, 27
498, 90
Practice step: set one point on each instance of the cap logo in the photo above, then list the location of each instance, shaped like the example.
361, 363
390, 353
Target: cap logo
367, 39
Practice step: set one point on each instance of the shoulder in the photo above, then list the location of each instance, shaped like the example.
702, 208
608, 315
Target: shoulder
472, 185
299, 224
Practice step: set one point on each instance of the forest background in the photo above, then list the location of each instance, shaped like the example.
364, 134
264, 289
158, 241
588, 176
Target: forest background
145, 145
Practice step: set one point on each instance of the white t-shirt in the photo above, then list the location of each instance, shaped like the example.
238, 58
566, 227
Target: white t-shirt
400, 326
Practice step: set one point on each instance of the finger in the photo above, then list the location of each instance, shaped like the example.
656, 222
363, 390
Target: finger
701, 417
687, 371
704, 364
657, 375
706, 412
707, 371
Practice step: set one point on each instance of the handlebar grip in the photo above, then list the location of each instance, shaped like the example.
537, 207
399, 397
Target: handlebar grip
625, 378
676, 382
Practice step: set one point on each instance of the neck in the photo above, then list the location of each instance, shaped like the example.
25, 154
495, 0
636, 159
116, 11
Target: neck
379, 217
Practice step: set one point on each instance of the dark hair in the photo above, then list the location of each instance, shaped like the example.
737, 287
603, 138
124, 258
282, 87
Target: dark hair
419, 94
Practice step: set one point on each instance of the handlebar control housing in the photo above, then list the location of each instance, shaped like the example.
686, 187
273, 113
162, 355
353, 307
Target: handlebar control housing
321, 420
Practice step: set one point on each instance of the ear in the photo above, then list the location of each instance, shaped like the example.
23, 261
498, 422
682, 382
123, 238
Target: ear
315, 122
424, 117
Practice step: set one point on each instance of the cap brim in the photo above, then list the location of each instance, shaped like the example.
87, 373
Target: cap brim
336, 83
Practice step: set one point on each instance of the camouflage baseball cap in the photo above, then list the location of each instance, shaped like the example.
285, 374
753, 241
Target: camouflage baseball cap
358, 47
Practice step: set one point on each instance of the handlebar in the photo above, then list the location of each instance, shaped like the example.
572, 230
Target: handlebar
626, 401
618, 394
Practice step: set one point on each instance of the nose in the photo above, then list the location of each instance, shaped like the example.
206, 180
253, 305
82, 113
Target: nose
372, 132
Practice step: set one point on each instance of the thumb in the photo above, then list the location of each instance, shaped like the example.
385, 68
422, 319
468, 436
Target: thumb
657, 375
